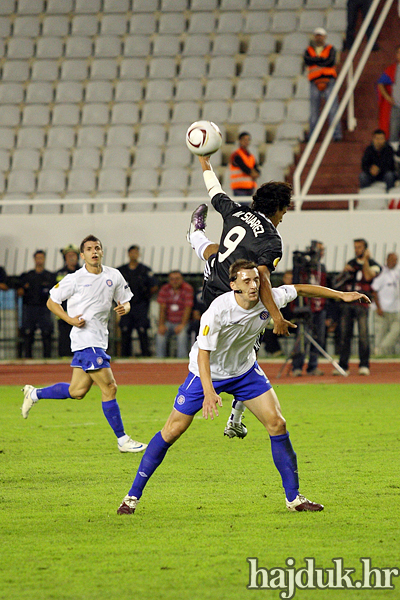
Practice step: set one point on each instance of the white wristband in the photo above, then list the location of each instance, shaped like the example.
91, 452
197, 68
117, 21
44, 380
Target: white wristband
212, 184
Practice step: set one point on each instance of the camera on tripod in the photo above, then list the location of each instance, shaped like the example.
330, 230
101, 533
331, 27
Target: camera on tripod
308, 258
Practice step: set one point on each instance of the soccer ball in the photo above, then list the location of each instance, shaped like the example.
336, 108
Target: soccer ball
203, 138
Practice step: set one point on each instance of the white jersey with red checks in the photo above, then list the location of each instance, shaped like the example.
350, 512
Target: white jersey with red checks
229, 332
91, 295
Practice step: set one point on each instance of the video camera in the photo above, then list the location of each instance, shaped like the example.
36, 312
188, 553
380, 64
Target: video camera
307, 258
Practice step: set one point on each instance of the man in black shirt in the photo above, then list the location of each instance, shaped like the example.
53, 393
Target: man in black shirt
378, 162
71, 264
34, 288
143, 285
357, 276
249, 233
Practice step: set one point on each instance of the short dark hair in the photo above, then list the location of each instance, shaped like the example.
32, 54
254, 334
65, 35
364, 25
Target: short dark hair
271, 197
378, 132
361, 240
239, 265
39, 252
90, 238
133, 247
243, 133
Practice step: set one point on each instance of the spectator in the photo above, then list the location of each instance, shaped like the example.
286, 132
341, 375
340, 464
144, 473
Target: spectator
389, 99
143, 285
386, 294
243, 168
353, 6
71, 257
320, 59
198, 309
357, 276
378, 162
176, 301
316, 275
34, 288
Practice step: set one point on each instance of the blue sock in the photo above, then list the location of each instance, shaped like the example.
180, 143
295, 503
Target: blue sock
55, 392
113, 415
286, 462
152, 458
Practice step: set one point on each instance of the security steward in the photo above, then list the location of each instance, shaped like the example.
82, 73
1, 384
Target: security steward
244, 170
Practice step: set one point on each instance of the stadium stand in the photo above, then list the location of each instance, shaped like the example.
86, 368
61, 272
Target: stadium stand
88, 84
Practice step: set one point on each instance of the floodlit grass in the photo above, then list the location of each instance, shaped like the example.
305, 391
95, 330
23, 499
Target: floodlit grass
212, 503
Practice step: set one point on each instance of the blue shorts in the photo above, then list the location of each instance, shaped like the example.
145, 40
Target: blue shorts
190, 396
91, 359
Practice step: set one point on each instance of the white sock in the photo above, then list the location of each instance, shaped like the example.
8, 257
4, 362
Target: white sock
236, 414
34, 395
199, 242
123, 439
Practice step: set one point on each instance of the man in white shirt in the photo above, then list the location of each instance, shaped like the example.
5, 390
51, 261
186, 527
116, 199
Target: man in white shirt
386, 294
90, 292
223, 359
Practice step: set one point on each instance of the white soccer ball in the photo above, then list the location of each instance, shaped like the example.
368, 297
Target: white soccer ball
203, 138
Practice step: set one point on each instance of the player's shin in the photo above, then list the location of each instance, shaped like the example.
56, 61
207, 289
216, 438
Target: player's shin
113, 415
152, 458
237, 411
286, 462
58, 391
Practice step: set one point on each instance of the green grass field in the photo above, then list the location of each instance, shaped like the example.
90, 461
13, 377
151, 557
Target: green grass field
212, 503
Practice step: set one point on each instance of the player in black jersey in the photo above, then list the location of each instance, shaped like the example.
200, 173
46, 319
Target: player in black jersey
249, 233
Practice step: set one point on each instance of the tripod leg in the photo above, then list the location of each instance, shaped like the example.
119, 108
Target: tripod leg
324, 353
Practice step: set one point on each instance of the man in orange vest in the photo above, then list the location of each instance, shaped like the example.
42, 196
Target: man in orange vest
320, 60
243, 168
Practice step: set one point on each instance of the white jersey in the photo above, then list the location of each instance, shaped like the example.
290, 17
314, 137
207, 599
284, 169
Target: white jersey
229, 332
91, 295
387, 284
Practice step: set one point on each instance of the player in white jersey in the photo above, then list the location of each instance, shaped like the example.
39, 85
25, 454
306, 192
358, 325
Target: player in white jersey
223, 359
90, 292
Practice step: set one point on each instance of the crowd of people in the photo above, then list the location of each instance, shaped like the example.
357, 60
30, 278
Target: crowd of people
180, 308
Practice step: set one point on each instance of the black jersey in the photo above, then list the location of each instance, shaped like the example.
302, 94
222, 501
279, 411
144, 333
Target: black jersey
246, 234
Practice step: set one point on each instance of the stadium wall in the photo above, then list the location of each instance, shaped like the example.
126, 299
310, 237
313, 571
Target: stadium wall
161, 236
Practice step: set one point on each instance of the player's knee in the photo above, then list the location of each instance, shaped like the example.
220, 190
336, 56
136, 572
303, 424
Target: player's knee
277, 425
77, 393
172, 432
112, 388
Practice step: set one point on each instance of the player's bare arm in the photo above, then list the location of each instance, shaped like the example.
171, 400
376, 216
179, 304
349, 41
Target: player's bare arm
58, 310
318, 291
122, 309
211, 398
281, 325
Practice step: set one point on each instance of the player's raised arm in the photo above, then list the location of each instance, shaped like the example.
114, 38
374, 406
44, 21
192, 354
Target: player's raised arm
318, 291
281, 325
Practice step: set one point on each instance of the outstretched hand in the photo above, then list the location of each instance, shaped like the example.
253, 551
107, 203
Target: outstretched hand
352, 296
281, 327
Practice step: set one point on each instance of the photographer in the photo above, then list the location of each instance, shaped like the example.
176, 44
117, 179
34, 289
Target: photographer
357, 276
308, 268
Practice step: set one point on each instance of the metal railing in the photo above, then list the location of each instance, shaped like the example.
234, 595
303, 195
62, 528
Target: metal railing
300, 192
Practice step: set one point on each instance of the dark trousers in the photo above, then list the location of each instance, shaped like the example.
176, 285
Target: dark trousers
137, 319
350, 313
353, 6
64, 341
36, 317
316, 328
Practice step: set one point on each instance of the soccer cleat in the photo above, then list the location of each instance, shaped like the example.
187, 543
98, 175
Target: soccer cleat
235, 430
301, 504
364, 371
128, 506
132, 446
28, 401
197, 220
